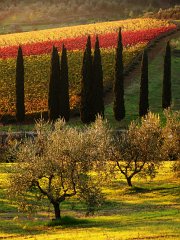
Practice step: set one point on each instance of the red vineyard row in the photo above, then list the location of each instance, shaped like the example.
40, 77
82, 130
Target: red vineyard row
108, 40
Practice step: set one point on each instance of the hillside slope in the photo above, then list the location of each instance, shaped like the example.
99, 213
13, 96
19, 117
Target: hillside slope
37, 46
24, 15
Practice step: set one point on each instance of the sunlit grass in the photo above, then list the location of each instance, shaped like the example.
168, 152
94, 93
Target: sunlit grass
148, 211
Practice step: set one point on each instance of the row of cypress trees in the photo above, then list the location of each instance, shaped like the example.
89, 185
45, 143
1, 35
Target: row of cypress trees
119, 105
20, 107
143, 98
92, 102
58, 97
166, 90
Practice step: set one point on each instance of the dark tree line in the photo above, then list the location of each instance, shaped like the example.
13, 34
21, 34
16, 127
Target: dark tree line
119, 107
144, 101
166, 86
92, 103
166, 91
86, 110
54, 83
58, 96
20, 107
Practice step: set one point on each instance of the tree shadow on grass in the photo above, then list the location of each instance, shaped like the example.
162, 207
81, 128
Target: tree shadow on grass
126, 222
129, 216
114, 215
16, 227
135, 190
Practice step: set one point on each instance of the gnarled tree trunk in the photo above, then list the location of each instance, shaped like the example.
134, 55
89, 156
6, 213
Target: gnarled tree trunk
57, 211
129, 181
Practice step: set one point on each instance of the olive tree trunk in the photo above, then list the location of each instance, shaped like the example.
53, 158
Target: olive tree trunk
57, 211
129, 181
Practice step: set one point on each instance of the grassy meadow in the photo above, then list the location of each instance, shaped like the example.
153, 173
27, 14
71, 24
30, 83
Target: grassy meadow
148, 211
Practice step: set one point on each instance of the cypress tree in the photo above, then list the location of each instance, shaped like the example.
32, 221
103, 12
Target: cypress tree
54, 82
86, 108
166, 91
98, 102
143, 101
64, 108
119, 107
20, 107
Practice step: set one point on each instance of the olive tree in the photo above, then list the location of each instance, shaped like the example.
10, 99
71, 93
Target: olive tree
171, 140
171, 130
138, 150
59, 162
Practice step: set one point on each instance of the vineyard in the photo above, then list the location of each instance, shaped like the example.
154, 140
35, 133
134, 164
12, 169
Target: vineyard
37, 46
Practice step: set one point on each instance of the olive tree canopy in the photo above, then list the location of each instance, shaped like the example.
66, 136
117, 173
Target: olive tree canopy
59, 162
138, 150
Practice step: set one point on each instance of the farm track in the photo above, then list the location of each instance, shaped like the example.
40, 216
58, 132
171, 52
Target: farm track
153, 51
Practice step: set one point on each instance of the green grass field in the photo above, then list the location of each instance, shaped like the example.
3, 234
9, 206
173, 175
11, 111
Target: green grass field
150, 211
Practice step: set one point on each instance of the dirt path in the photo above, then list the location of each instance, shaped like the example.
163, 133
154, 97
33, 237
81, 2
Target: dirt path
157, 49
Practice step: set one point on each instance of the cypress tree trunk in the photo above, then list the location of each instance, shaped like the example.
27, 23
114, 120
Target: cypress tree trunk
64, 108
119, 107
53, 95
86, 108
143, 101
98, 102
20, 107
166, 91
